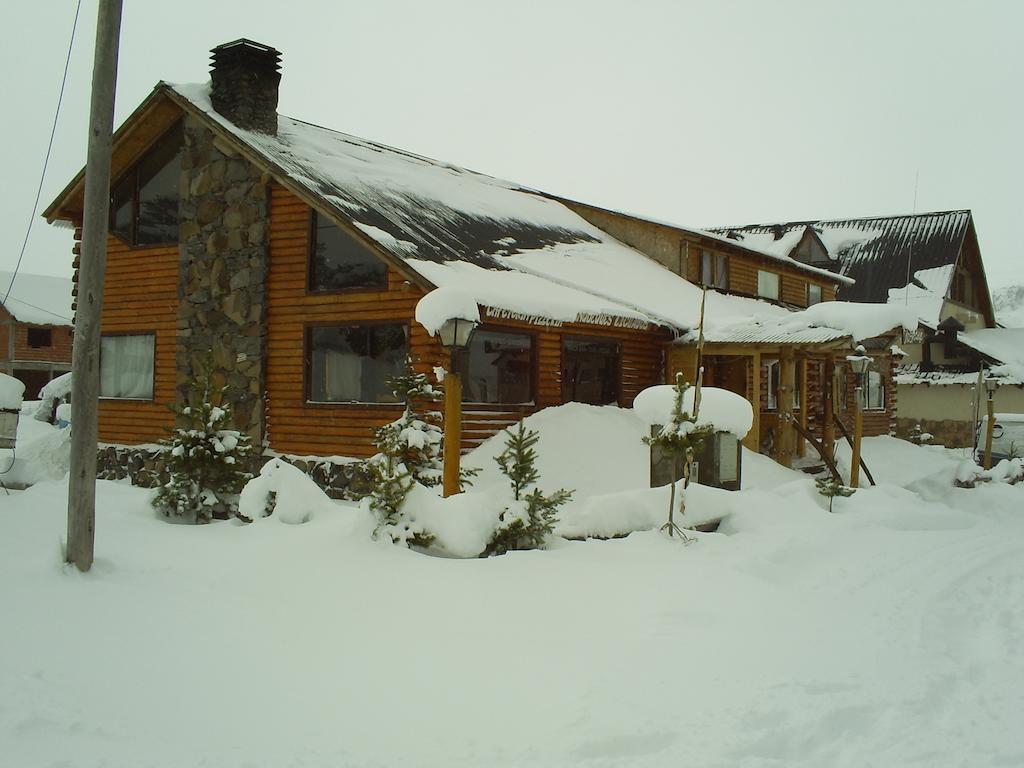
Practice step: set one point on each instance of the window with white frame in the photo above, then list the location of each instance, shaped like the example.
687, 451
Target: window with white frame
873, 395
126, 366
767, 284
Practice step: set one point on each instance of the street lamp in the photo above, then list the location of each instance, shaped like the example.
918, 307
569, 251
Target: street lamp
859, 363
990, 387
455, 334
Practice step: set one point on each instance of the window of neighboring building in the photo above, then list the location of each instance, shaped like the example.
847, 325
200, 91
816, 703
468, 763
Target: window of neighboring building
497, 368
813, 294
338, 261
714, 270
126, 366
144, 201
772, 373
352, 363
873, 394
39, 337
590, 371
767, 284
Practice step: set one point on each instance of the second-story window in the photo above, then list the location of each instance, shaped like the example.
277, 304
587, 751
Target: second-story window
813, 294
144, 201
768, 284
338, 262
714, 270
39, 338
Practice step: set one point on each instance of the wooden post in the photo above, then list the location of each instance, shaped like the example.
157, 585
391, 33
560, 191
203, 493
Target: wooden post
828, 387
753, 438
452, 430
86, 358
988, 432
787, 383
804, 406
858, 426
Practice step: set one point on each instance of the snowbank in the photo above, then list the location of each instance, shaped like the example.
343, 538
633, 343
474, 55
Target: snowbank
11, 392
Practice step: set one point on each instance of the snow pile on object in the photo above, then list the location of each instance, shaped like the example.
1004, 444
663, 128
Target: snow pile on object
443, 304
283, 491
52, 392
926, 293
856, 319
463, 524
11, 393
724, 410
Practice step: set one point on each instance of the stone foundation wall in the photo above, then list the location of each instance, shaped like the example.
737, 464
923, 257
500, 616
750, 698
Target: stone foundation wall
224, 258
948, 432
142, 466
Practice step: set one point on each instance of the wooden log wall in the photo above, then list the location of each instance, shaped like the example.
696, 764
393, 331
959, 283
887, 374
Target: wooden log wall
141, 296
295, 426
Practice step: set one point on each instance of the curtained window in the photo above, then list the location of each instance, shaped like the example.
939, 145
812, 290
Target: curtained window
353, 363
126, 366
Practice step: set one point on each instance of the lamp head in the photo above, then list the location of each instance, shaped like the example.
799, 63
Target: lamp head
456, 332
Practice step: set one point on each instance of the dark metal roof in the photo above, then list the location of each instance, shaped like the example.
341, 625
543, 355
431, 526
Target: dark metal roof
877, 252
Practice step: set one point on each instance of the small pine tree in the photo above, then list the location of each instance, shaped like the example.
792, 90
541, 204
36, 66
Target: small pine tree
414, 439
680, 438
527, 523
830, 487
204, 461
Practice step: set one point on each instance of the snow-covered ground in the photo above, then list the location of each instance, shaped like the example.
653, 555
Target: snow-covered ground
885, 634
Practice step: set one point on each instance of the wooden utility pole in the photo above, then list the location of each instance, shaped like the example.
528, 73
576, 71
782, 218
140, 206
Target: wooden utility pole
92, 264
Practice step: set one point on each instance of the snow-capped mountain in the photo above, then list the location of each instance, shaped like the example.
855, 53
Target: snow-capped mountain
1008, 302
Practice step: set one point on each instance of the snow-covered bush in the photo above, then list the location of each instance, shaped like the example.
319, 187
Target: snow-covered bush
410, 453
918, 436
529, 520
53, 394
829, 487
205, 462
281, 490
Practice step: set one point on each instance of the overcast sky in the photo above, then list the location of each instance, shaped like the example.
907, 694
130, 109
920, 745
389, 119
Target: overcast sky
697, 113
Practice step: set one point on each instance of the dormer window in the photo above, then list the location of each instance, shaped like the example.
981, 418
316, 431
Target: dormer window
768, 284
144, 201
714, 270
813, 294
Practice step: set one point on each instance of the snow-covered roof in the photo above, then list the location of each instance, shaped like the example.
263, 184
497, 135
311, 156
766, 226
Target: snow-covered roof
1003, 345
37, 299
911, 374
878, 252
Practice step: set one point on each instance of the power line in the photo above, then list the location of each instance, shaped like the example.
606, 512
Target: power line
49, 148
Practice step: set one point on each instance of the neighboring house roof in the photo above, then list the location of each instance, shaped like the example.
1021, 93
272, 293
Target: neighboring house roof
37, 299
878, 252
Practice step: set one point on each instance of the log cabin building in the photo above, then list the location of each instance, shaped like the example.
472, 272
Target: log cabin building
36, 331
931, 263
290, 258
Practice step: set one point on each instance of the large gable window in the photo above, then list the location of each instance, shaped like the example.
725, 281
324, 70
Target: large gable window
352, 363
126, 366
497, 368
768, 284
144, 202
590, 371
338, 261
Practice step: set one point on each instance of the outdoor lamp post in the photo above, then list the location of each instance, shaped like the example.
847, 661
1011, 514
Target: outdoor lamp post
454, 334
859, 363
990, 387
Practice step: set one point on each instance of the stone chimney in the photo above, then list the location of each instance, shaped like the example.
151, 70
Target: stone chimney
246, 76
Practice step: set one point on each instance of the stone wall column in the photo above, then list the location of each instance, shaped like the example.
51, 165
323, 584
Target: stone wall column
223, 266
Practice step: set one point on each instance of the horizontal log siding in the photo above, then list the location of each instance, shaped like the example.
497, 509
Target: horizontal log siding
140, 295
296, 427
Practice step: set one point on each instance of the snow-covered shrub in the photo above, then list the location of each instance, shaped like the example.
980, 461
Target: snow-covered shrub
205, 462
830, 488
410, 453
281, 490
918, 436
529, 520
968, 473
51, 396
